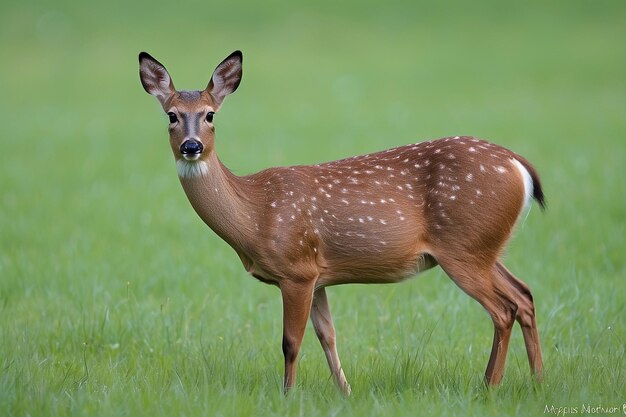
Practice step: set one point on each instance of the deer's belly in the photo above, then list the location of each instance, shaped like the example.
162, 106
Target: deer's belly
373, 269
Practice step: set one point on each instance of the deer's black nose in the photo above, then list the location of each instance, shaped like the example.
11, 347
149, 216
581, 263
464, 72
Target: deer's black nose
191, 147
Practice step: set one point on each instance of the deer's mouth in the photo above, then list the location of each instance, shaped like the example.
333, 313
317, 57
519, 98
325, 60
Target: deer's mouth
191, 156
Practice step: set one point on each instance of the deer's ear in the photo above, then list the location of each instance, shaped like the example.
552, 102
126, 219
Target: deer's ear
155, 78
226, 77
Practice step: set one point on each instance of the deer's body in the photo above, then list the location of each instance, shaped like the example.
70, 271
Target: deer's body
366, 219
377, 218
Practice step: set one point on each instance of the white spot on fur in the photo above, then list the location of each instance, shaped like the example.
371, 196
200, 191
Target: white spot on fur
469, 177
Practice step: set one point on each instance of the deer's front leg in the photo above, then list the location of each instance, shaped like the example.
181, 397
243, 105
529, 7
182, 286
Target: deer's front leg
325, 330
297, 298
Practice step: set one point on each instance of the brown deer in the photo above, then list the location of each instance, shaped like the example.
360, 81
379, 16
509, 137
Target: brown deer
376, 218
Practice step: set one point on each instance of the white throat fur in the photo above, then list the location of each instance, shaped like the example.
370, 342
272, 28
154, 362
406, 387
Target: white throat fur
191, 169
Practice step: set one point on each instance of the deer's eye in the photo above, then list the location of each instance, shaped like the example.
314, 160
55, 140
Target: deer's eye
173, 118
209, 116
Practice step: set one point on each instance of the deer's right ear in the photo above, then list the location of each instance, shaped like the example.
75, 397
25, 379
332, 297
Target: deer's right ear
155, 78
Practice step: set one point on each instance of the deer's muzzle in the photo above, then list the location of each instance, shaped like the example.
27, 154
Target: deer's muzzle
191, 149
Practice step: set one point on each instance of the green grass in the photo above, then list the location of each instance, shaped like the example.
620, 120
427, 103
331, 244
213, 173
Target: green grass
116, 300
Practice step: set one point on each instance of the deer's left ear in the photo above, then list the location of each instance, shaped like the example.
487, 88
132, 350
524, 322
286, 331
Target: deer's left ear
155, 78
226, 77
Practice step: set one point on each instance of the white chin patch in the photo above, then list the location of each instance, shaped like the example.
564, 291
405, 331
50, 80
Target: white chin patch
191, 169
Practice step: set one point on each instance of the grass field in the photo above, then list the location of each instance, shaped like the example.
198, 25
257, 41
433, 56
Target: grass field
116, 300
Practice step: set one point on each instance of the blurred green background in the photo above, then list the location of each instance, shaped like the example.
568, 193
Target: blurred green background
116, 300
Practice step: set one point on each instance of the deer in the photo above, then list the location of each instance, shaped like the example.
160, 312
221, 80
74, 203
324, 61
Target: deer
376, 218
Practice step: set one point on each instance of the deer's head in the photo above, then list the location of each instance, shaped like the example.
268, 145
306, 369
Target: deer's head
192, 133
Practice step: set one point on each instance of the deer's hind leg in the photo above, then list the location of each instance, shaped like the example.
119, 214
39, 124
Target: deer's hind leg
484, 284
526, 318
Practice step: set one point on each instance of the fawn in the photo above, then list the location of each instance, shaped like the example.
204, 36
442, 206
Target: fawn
376, 218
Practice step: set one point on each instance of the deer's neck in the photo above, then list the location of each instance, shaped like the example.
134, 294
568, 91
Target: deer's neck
221, 199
